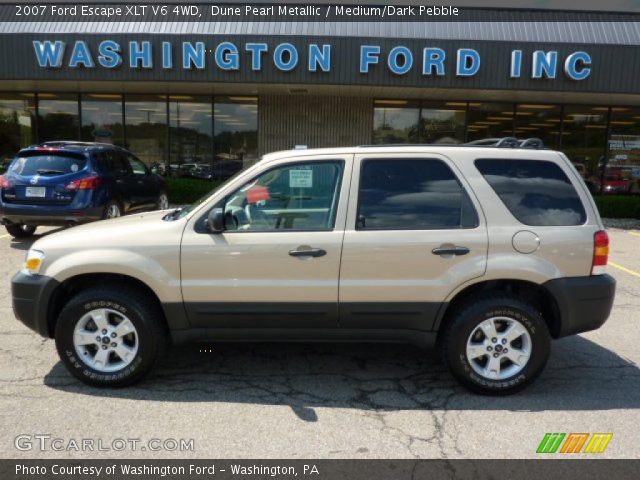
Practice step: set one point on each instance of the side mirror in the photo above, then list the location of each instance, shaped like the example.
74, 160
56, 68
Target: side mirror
215, 220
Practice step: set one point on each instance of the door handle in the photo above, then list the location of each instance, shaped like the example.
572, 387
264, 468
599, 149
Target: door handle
307, 252
450, 250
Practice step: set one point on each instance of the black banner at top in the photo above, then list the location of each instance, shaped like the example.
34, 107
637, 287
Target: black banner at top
402, 11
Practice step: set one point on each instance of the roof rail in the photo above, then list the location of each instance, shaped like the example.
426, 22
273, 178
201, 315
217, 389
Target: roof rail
532, 142
501, 142
508, 142
74, 143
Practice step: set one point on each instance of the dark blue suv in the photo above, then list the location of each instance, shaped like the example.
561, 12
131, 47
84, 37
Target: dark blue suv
67, 183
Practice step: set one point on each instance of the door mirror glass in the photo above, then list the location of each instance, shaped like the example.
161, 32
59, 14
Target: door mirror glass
215, 220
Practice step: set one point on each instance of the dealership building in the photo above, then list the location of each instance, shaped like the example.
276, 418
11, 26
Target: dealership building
218, 91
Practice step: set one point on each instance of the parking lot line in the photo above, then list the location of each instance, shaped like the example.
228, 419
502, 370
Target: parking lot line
635, 234
625, 269
3, 236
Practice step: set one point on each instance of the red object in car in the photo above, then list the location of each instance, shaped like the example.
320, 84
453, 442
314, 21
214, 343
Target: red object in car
88, 183
258, 193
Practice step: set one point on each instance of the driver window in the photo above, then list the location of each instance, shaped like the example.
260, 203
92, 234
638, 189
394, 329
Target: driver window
136, 165
300, 196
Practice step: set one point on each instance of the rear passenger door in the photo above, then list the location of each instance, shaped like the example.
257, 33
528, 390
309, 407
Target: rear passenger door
414, 233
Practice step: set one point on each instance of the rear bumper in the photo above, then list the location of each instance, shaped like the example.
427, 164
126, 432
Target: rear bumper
584, 302
31, 296
54, 215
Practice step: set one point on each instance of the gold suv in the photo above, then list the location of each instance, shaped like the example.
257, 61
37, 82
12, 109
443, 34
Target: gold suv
487, 252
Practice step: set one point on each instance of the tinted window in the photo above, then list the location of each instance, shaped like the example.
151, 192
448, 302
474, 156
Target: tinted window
111, 162
300, 196
136, 165
536, 192
412, 194
49, 164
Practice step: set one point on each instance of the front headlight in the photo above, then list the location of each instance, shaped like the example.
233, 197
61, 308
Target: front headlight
33, 262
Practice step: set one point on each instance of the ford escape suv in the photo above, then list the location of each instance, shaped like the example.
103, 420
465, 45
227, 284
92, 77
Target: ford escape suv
66, 183
487, 251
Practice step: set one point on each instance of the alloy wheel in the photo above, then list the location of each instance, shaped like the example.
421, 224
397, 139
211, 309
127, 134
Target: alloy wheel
105, 340
499, 348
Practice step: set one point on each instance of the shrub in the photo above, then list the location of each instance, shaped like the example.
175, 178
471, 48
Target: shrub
618, 206
188, 190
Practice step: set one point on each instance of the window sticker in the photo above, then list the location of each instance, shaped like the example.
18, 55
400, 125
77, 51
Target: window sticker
301, 178
74, 167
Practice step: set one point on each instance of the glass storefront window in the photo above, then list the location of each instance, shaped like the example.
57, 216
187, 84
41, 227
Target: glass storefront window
401, 121
191, 138
623, 159
235, 134
396, 121
539, 121
583, 138
102, 118
58, 117
442, 122
490, 120
17, 120
146, 127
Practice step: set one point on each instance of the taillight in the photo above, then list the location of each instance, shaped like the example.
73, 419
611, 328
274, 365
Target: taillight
600, 252
4, 182
88, 183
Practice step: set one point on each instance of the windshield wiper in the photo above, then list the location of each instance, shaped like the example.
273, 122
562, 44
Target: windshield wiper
46, 171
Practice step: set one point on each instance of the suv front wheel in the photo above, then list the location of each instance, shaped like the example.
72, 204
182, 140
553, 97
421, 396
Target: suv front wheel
496, 346
110, 337
20, 230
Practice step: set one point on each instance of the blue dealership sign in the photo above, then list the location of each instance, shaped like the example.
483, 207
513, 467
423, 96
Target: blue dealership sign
399, 60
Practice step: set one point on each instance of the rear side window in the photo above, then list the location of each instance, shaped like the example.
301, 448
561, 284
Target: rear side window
111, 162
536, 192
412, 194
47, 165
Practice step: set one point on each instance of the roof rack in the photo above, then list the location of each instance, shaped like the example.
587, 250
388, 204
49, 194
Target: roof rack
73, 143
502, 142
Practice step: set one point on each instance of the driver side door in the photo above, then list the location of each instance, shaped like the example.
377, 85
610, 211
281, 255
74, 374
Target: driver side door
276, 264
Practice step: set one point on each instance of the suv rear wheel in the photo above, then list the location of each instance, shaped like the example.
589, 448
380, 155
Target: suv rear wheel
20, 230
496, 346
112, 210
110, 337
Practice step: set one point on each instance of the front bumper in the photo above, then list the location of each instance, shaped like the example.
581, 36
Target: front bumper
31, 295
584, 302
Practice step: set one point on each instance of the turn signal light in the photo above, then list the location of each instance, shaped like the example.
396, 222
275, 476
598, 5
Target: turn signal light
600, 252
4, 183
88, 183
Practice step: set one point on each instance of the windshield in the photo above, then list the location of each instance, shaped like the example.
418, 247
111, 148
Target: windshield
50, 164
184, 210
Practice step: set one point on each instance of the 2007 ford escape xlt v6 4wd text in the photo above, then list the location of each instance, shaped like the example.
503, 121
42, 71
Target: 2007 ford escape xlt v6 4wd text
488, 252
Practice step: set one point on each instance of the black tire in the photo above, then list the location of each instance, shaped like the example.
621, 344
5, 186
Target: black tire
20, 230
466, 319
106, 214
139, 308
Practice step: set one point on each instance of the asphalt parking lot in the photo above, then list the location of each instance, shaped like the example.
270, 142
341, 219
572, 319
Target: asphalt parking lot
327, 401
